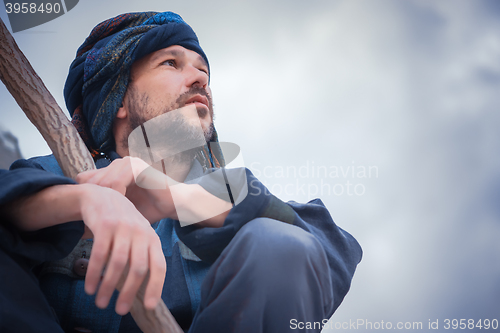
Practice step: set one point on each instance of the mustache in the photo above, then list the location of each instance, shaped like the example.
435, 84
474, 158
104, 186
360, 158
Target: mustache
182, 99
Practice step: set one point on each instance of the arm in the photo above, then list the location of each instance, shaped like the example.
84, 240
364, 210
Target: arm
155, 196
36, 211
121, 236
34, 247
342, 250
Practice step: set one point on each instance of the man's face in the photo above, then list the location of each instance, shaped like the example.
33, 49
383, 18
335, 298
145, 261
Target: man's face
166, 80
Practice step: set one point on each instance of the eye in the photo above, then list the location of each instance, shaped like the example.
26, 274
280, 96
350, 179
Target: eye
170, 62
204, 70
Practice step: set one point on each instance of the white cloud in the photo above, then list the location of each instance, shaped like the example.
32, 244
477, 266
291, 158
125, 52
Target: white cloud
410, 87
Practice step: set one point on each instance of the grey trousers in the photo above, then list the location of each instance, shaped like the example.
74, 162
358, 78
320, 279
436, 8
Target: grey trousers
270, 277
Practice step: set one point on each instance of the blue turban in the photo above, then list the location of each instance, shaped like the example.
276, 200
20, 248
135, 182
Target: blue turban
98, 77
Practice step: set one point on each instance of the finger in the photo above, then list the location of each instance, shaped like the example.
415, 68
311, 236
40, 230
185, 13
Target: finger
119, 257
105, 176
98, 258
118, 176
98, 177
87, 234
83, 177
122, 179
138, 270
114, 181
158, 270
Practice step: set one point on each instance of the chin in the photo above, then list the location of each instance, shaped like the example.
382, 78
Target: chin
205, 118
208, 129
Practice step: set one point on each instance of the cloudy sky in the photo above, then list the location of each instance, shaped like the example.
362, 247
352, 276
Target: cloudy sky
387, 110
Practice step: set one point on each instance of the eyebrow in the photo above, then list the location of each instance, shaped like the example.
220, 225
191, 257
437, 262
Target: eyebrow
177, 53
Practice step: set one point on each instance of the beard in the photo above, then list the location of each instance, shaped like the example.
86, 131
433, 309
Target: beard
174, 132
141, 111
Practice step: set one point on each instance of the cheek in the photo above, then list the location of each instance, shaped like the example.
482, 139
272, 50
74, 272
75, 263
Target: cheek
206, 122
209, 91
160, 97
164, 85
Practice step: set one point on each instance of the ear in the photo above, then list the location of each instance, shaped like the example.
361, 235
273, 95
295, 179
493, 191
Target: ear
120, 125
122, 112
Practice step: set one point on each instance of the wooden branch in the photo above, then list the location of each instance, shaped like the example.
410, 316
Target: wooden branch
68, 148
158, 320
41, 108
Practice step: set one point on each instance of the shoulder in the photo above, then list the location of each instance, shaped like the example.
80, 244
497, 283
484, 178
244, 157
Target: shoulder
47, 163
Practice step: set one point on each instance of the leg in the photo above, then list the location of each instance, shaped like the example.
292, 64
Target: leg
270, 274
23, 307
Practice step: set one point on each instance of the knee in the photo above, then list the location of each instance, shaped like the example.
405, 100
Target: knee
277, 245
285, 262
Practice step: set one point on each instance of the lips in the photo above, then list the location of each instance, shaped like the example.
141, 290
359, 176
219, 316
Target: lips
198, 99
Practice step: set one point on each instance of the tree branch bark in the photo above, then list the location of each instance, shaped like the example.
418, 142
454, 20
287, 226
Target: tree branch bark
68, 148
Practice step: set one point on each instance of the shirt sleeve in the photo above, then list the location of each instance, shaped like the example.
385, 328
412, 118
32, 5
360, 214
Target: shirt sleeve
343, 251
34, 247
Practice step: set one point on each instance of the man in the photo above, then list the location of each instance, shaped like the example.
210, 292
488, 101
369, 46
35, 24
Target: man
255, 264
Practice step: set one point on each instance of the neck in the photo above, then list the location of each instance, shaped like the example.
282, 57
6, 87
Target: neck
122, 151
176, 167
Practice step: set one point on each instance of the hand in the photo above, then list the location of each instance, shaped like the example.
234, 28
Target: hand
121, 235
152, 198
195, 205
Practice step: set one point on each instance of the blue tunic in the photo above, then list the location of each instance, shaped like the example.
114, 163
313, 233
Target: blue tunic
191, 252
23, 307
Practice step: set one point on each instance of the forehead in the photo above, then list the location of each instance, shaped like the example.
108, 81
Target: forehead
154, 59
174, 51
177, 51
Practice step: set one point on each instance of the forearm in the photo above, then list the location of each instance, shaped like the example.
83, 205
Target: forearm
189, 203
194, 204
34, 199
51, 206
156, 196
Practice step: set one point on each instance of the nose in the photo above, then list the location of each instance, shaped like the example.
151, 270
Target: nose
194, 77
